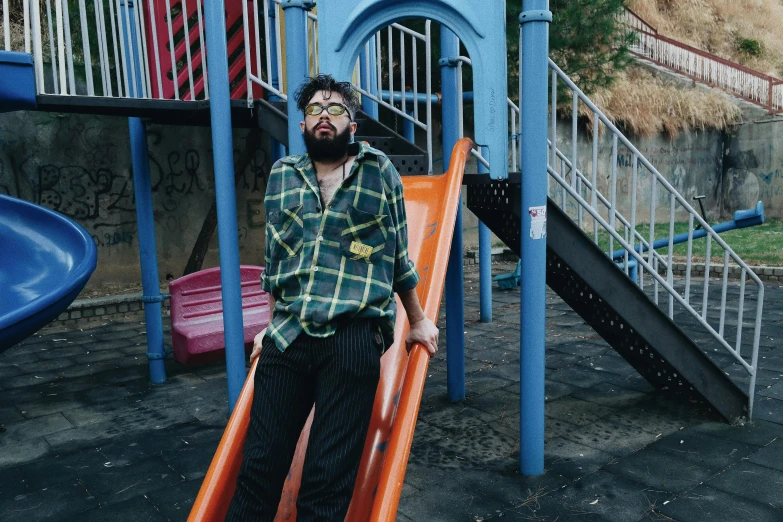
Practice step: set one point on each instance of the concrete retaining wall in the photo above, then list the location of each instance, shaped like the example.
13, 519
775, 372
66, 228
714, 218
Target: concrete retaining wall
80, 166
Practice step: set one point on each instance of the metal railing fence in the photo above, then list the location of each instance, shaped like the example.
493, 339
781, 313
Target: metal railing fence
743, 82
125, 48
626, 219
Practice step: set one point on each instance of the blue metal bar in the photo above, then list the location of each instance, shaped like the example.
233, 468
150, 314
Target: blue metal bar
408, 129
485, 266
278, 149
369, 67
225, 195
145, 219
421, 98
455, 298
742, 219
534, 49
297, 68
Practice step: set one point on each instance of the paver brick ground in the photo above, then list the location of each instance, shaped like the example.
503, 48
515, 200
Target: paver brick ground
85, 436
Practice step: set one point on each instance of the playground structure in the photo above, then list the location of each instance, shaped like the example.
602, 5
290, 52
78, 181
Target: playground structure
47, 259
556, 237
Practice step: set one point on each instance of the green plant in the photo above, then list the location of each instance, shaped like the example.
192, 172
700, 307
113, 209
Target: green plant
750, 46
585, 39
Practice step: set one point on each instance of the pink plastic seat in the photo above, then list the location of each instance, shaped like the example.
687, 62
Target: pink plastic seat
197, 313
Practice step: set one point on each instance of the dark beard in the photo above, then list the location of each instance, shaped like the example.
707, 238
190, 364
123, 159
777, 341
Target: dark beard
327, 149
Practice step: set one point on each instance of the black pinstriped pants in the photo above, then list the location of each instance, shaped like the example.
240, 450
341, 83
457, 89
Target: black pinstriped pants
339, 374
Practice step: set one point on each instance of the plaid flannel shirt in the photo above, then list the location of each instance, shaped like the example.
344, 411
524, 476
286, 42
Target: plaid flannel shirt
326, 266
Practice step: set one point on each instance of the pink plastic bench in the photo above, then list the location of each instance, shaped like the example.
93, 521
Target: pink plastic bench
197, 318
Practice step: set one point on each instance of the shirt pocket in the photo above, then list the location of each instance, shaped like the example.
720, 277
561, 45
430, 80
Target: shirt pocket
286, 232
364, 236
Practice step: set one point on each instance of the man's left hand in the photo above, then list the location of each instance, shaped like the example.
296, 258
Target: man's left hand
424, 332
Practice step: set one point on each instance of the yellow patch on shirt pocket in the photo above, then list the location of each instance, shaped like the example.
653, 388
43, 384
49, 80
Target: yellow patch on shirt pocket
286, 232
364, 236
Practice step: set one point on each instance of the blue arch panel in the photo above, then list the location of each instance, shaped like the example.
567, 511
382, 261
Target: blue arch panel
481, 26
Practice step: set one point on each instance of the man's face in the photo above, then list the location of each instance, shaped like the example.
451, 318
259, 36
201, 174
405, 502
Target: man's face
327, 136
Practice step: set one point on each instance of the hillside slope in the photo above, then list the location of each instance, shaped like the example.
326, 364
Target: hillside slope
747, 32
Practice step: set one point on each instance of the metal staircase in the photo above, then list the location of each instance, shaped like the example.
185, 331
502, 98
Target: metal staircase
639, 314
592, 285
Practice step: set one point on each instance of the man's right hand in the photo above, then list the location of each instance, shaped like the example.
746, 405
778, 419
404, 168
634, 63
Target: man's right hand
257, 344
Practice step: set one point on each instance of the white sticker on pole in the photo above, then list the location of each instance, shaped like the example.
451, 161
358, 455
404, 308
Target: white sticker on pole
537, 222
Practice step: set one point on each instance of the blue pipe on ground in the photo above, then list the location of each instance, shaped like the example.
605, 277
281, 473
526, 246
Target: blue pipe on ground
455, 298
225, 195
534, 70
742, 219
145, 217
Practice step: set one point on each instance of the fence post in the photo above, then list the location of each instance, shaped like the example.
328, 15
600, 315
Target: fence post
770, 100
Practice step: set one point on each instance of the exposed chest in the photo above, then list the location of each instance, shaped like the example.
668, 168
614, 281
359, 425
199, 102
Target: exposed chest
328, 186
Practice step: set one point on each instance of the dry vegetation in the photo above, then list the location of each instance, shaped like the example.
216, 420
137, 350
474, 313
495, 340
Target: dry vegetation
747, 32
720, 26
647, 105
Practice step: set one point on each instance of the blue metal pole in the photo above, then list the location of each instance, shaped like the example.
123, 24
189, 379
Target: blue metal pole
408, 129
296, 65
396, 97
225, 195
369, 67
145, 219
455, 299
148, 251
534, 69
278, 149
485, 266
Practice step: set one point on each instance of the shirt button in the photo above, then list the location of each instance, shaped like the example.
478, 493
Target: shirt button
308, 298
320, 238
315, 269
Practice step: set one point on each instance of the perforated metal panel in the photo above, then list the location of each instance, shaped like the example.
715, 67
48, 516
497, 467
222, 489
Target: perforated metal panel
589, 282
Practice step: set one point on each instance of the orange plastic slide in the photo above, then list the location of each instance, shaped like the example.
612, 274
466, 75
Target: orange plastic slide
431, 205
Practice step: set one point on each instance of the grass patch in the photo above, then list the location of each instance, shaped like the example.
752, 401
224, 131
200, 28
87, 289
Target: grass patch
759, 245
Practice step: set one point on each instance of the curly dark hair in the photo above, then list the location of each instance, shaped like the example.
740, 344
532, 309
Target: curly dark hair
325, 82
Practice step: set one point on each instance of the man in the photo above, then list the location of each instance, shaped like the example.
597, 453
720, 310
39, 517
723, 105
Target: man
336, 252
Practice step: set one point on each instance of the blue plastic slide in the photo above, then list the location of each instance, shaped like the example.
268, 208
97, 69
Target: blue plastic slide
45, 261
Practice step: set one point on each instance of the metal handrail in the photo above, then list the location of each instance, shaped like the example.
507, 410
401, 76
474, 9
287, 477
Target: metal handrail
652, 262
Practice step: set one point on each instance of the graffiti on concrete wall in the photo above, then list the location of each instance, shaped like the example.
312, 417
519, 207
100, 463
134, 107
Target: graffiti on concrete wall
80, 166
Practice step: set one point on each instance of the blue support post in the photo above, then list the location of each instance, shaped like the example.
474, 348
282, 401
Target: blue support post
408, 129
278, 149
296, 65
225, 195
485, 266
145, 217
455, 299
534, 69
369, 67
148, 251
